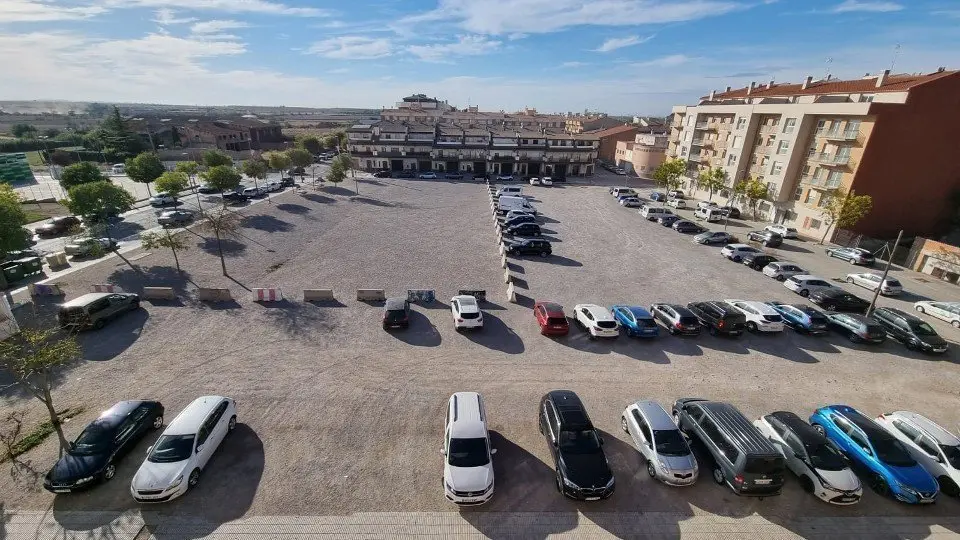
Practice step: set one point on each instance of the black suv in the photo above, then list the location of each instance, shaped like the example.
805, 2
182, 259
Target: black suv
406, 174
767, 238
381, 174
528, 247
758, 260
234, 196
58, 225
912, 331
524, 229
517, 220
719, 317
396, 313
838, 300
577, 448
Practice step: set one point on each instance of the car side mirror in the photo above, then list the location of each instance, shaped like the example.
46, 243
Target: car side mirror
199, 448
149, 449
600, 438
493, 451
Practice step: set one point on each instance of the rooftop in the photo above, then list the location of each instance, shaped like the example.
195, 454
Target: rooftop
613, 131
867, 85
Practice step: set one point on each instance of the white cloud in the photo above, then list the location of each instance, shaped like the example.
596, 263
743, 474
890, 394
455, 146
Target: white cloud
226, 6
464, 46
573, 64
613, 44
352, 48
217, 26
165, 17
859, 5
543, 16
20, 11
664, 61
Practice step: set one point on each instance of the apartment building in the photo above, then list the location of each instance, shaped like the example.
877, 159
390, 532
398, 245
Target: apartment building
610, 137
235, 135
642, 155
890, 136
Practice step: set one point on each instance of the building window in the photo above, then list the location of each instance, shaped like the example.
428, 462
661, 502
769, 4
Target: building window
814, 224
777, 167
763, 161
789, 124
782, 147
809, 197
771, 188
821, 124
770, 140
817, 173
737, 141
868, 98
732, 159
834, 179
822, 200
806, 170
797, 194
853, 127
741, 122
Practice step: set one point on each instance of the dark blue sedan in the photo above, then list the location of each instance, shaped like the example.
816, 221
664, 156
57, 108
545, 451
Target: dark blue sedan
657, 196
801, 317
636, 320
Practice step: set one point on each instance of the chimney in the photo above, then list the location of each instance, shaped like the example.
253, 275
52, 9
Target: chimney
806, 82
750, 88
728, 89
713, 94
882, 78
829, 76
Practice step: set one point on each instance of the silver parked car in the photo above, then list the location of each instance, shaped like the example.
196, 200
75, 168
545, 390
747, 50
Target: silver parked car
658, 439
83, 247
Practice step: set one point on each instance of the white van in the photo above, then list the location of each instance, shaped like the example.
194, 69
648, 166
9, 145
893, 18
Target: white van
653, 213
468, 463
618, 191
509, 202
710, 214
512, 191
118, 168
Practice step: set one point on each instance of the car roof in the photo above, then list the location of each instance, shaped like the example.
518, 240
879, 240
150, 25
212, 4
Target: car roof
552, 308
763, 308
935, 430
596, 310
807, 434
467, 302
656, 417
467, 420
113, 416
858, 419
190, 418
395, 303
637, 311
900, 313
738, 428
573, 415
85, 299
681, 310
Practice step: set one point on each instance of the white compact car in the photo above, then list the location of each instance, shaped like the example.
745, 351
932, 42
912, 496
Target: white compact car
428, 176
677, 203
546, 181
535, 181
945, 311
703, 205
760, 316
658, 439
821, 468
468, 463
596, 320
174, 462
935, 448
780, 270
888, 287
466, 312
782, 230
806, 284
162, 199
735, 252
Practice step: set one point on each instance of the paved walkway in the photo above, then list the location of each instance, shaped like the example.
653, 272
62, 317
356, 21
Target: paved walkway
467, 524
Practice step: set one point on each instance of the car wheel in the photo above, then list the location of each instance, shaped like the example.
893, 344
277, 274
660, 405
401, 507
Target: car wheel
134, 305
713, 331
948, 486
849, 280
737, 258
879, 485
956, 324
676, 419
820, 429
781, 278
623, 424
854, 338
158, 422
718, 476
194, 478
804, 293
920, 309
109, 471
752, 326
912, 345
99, 324
651, 470
233, 424
544, 254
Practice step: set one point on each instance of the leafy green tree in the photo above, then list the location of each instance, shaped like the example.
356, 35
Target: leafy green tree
299, 157
13, 236
61, 158
33, 357
97, 199
145, 168
712, 180
114, 138
668, 174
278, 161
337, 172
189, 168
844, 209
310, 143
223, 224
84, 172
213, 158
23, 131
165, 240
222, 178
256, 169
754, 191
172, 182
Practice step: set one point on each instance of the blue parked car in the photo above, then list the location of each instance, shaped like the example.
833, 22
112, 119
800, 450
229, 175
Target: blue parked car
802, 317
888, 465
637, 321
657, 196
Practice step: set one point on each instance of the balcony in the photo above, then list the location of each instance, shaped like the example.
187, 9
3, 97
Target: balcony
703, 125
834, 160
697, 142
848, 135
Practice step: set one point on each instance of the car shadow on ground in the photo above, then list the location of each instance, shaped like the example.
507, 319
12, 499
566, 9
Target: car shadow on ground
266, 223
420, 333
727, 344
495, 335
545, 219
786, 246
775, 345
643, 349
551, 239
118, 335
293, 208
317, 198
558, 260
908, 296
230, 247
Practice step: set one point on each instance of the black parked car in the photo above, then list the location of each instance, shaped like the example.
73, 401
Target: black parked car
912, 331
517, 220
93, 456
287, 181
668, 220
676, 318
730, 211
719, 317
524, 229
453, 176
406, 174
396, 313
207, 189
576, 447
858, 328
767, 238
838, 300
528, 247
685, 226
757, 260
381, 174
234, 196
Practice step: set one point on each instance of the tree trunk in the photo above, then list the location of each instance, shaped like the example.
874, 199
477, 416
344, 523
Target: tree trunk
149, 194
176, 259
223, 263
824, 237
54, 419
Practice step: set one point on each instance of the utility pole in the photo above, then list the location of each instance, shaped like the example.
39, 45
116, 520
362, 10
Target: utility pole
886, 270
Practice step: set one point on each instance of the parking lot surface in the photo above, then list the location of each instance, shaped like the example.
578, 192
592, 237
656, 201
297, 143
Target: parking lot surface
339, 417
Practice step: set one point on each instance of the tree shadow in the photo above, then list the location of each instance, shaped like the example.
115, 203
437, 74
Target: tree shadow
133, 281
225, 493
293, 208
297, 320
266, 223
118, 335
372, 201
231, 247
496, 335
314, 197
337, 190
420, 333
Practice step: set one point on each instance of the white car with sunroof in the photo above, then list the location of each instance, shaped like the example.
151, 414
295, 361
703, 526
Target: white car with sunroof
466, 312
760, 316
936, 449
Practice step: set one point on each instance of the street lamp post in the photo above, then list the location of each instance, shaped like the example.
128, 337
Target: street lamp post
886, 270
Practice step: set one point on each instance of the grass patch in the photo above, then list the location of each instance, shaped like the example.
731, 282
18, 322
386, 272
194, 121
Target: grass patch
34, 159
37, 212
33, 217
40, 433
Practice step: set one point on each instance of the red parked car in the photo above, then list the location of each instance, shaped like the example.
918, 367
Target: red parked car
551, 319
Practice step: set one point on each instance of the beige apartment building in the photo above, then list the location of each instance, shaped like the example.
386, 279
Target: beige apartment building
642, 155
888, 136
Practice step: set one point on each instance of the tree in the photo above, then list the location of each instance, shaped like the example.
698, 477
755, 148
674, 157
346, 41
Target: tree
13, 236
712, 180
145, 168
189, 168
337, 173
172, 182
754, 191
222, 178
213, 158
165, 240
844, 209
23, 131
300, 157
84, 172
98, 198
278, 161
223, 224
33, 357
256, 169
667, 174
310, 143
61, 158
114, 138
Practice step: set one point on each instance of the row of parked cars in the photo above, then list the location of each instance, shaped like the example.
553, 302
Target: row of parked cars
900, 454
518, 221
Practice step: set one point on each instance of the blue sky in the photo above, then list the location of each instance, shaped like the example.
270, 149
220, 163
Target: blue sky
621, 56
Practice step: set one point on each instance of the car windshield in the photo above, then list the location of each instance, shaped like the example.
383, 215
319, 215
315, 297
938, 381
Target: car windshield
579, 442
171, 448
952, 453
607, 324
818, 319
468, 452
396, 315
893, 283
892, 452
761, 465
922, 328
670, 443
94, 439
823, 457
556, 320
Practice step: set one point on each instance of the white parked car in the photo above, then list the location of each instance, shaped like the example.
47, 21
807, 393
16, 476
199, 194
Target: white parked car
253, 191
760, 316
935, 448
505, 178
428, 176
677, 203
735, 252
175, 461
806, 284
162, 199
535, 181
546, 181
945, 311
272, 186
821, 468
780, 271
617, 192
658, 439
888, 287
466, 312
706, 204
468, 457
596, 320
782, 230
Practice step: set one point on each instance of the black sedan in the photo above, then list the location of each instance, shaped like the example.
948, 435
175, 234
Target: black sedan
839, 300
685, 226
758, 260
524, 229
207, 189
381, 174
528, 246
406, 174
234, 196
93, 456
858, 328
453, 176
767, 238
668, 220
730, 211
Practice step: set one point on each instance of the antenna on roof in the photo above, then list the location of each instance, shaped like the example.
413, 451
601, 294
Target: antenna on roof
827, 62
896, 54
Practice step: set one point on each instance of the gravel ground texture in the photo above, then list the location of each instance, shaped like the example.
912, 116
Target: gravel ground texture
338, 416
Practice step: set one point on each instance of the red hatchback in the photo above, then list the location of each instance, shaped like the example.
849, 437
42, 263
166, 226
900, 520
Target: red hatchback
551, 319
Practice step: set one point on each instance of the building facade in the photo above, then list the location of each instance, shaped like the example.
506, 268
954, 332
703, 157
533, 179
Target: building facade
887, 136
234, 135
642, 155
937, 259
610, 137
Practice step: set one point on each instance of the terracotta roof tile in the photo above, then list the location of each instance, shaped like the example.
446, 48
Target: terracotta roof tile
613, 131
894, 83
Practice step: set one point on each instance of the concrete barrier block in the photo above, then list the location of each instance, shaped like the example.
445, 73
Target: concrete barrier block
159, 293
511, 294
213, 295
503, 261
421, 296
506, 276
502, 251
371, 295
56, 260
318, 295
267, 294
479, 294
107, 288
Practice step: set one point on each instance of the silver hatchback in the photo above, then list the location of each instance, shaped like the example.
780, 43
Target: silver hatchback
658, 439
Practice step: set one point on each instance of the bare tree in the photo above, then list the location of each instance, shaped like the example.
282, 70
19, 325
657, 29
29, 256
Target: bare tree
223, 224
165, 240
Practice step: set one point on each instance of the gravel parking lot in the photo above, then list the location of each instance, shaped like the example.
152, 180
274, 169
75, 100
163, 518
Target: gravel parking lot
339, 416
